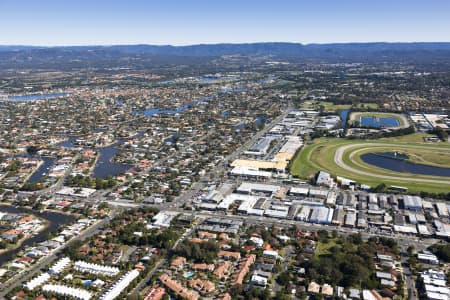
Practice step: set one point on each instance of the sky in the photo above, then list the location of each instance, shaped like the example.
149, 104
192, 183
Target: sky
186, 22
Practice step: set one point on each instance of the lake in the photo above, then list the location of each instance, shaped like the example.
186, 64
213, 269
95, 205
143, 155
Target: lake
344, 116
399, 164
56, 220
379, 122
35, 97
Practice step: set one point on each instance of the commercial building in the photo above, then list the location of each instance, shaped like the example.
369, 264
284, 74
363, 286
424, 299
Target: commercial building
304, 213
428, 258
412, 202
257, 188
435, 283
249, 172
299, 191
350, 219
321, 215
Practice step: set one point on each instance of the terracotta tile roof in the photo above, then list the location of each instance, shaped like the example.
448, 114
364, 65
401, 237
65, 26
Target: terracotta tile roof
177, 288
203, 286
229, 254
203, 267
243, 269
155, 293
178, 262
25, 219
222, 270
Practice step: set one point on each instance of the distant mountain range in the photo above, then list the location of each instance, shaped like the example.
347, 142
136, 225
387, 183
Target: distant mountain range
73, 57
246, 49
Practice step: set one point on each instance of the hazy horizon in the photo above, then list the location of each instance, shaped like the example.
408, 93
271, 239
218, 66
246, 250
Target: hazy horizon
49, 23
221, 43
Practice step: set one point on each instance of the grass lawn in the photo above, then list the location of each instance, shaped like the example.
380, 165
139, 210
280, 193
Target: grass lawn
410, 138
330, 106
324, 248
320, 156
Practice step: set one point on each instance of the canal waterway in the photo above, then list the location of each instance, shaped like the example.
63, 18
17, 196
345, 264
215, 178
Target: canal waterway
156, 111
105, 166
35, 97
55, 221
42, 170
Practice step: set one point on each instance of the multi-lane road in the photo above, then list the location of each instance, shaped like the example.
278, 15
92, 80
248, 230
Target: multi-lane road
24, 276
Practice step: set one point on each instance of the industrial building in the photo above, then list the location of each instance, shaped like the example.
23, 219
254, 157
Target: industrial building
257, 188
412, 202
321, 215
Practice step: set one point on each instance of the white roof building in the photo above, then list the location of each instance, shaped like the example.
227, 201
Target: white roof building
86, 267
163, 219
250, 187
441, 209
258, 280
67, 291
423, 230
115, 290
428, 258
272, 254
59, 266
405, 229
412, 202
250, 172
321, 215
37, 281
303, 191
304, 213
276, 213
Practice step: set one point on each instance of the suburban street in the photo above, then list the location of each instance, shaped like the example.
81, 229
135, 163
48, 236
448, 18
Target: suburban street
10, 284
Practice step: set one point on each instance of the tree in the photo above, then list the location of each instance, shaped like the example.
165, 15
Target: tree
381, 188
411, 249
284, 278
32, 150
334, 234
442, 251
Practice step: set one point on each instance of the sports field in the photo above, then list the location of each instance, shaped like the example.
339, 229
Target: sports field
343, 157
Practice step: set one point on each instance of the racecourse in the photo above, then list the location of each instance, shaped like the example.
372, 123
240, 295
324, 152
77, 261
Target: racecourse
341, 157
